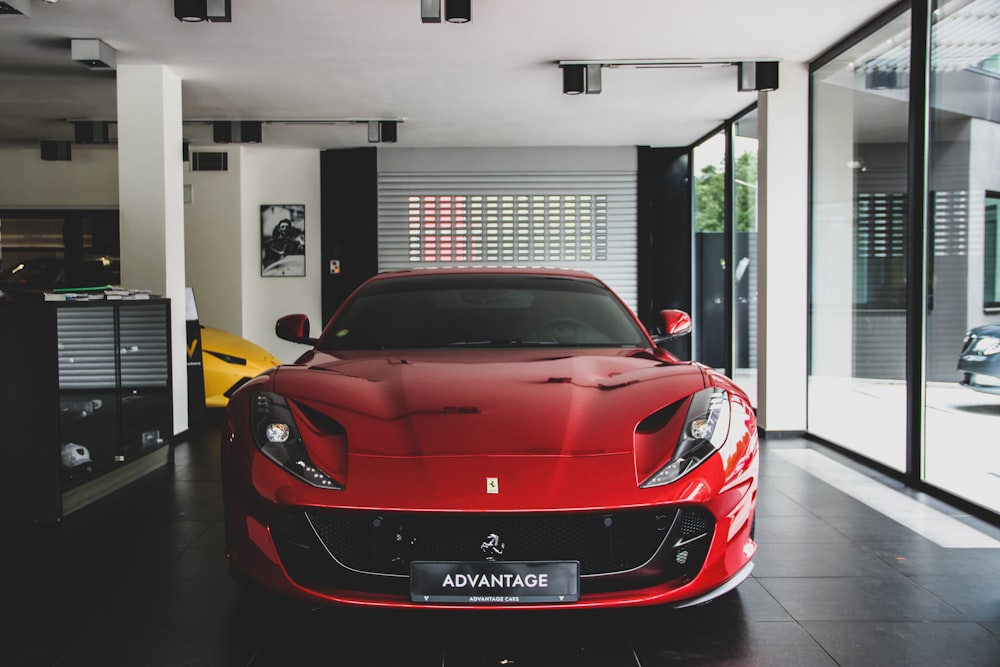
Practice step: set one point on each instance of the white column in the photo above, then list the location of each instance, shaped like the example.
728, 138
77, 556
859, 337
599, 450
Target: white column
783, 250
151, 201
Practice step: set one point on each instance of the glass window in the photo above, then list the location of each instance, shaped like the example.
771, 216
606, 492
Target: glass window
745, 254
963, 321
857, 388
709, 341
991, 253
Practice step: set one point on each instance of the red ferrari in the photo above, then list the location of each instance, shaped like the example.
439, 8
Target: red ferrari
496, 438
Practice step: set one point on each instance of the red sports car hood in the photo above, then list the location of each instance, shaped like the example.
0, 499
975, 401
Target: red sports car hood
474, 403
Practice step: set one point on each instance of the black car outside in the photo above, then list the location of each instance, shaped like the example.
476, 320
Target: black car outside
979, 361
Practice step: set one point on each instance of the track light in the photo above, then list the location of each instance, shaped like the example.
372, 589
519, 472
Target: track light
758, 75
93, 53
236, 131
584, 76
56, 150
382, 131
387, 130
885, 79
581, 78
593, 79
91, 132
457, 11
216, 11
430, 11
574, 79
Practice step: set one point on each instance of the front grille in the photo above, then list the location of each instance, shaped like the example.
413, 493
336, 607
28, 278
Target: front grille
388, 543
623, 549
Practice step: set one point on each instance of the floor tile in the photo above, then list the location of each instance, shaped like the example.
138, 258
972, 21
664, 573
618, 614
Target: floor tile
975, 595
817, 559
889, 598
751, 644
881, 644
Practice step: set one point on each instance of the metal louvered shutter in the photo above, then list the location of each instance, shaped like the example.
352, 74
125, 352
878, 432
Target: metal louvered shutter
567, 219
143, 345
87, 356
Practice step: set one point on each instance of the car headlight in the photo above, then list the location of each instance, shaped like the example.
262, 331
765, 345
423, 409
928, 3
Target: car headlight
277, 437
986, 346
706, 427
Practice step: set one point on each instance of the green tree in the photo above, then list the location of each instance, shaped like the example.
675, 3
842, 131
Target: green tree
709, 198
745, 192
709, 195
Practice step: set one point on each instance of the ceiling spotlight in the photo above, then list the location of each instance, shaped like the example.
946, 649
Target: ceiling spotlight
885, 79
91, 132
382, 131
387, 130
430, 11
758, 75
15, 8
237, 131
574, 79
52, 150
458, 11
190, 11
93, 53
593, 79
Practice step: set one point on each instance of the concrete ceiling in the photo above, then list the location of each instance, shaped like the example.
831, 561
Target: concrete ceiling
491, 82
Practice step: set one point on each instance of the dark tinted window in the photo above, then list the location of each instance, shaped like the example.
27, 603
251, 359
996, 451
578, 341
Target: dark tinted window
486, 310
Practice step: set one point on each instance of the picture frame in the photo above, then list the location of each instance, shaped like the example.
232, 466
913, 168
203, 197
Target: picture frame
282, 240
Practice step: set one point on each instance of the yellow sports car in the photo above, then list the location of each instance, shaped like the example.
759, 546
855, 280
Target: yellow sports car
228, 362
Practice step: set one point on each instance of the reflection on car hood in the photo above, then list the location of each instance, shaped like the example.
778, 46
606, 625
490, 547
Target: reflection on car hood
489, 402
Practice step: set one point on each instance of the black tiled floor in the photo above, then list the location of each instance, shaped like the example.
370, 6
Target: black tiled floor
139, 579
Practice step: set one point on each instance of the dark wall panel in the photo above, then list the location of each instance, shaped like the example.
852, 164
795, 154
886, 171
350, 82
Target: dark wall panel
349, 198
665, 236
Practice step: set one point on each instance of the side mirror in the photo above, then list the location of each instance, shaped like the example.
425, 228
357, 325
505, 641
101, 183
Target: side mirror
294, 328
675, 323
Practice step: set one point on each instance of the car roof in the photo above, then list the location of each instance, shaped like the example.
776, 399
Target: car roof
473, 271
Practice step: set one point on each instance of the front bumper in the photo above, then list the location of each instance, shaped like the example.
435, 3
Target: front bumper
986, 384
680, 552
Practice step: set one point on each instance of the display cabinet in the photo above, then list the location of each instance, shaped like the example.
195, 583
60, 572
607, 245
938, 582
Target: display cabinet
96, 411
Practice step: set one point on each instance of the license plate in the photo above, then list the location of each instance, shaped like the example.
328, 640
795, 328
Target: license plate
495, 582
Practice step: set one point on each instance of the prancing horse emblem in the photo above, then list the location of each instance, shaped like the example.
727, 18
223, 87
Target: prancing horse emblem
493, 547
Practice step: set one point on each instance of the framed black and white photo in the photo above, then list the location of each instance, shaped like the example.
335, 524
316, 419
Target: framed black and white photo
282, 240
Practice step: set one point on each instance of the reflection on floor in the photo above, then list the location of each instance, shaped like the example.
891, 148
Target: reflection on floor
139, 579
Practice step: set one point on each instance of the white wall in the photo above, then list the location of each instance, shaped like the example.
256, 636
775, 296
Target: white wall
279, 176
213, 242
783, 251
222, 234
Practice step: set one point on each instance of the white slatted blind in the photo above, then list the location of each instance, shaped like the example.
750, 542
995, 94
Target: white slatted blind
578, 220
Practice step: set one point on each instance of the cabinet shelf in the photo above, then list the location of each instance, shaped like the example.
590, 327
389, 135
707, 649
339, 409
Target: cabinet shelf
97, 399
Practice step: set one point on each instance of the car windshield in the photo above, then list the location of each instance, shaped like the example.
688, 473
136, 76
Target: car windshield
486, 310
